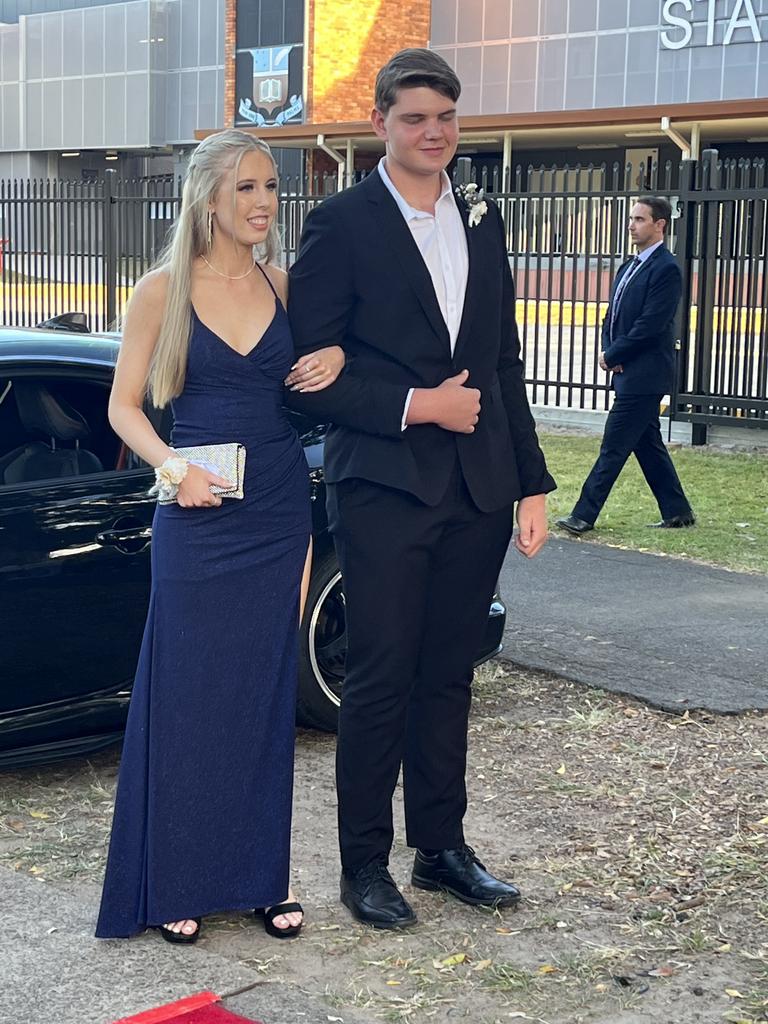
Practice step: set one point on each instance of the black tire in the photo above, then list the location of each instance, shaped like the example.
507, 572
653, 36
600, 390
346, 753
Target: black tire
322, 646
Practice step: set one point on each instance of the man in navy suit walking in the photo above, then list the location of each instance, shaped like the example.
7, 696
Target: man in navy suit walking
638, 347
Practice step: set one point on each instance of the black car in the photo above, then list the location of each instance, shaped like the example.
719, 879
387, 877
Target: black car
75, 532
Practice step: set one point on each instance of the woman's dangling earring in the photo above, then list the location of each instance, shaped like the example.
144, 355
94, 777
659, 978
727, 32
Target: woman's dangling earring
210, 230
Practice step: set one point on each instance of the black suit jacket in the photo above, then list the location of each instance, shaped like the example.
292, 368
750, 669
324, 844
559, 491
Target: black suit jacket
360, 282
643, 340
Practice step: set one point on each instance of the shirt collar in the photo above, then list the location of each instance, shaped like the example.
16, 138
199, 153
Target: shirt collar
647, 253
408, 211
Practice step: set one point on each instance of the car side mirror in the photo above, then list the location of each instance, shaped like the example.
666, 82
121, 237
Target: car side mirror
76, 322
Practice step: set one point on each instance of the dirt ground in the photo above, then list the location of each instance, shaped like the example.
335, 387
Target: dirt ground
640, 841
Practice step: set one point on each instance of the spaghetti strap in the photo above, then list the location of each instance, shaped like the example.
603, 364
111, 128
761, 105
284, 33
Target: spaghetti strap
266, 278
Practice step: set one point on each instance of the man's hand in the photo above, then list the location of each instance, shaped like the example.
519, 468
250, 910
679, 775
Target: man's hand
532, 521
609, 369
450, 405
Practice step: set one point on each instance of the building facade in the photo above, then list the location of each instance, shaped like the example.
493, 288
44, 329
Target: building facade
132, 84
121, 84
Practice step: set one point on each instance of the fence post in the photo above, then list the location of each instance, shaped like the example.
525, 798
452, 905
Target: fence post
110, 251
702, 356
463, 172
684, 250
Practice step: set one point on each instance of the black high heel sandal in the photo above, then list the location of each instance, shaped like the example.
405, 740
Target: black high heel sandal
269, 918
179, 938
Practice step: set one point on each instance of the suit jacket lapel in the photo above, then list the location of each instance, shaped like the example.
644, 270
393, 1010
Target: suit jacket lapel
397, 234
473, 277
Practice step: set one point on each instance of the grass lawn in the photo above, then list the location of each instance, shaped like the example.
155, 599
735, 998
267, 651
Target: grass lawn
728, 492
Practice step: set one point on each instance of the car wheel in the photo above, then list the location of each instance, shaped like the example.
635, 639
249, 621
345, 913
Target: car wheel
322, 646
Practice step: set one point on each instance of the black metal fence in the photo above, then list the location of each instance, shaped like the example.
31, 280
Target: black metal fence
83, 245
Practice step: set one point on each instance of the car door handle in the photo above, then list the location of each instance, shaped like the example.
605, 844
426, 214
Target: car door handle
116, 538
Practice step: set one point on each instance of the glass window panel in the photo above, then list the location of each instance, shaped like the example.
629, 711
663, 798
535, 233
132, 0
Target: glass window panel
582, 16
72, 100
645, 12
554, 16
9, 54
613, 14
470, 23
52, 46
34, 48
581, 57
114, 111
136, 37
93, 38
12, 117
158, 135
611, 54
642, 51
468, 63
208, 33
443, 29
72, 48
206, 113
93, 112
189, 33
187, 105
114, 39
522, 62
172, 82
52, 116
34, 115
497, 19
137, 111
173, 38
525, 18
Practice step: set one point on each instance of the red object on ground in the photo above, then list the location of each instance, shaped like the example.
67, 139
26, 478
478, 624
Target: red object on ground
198, 1009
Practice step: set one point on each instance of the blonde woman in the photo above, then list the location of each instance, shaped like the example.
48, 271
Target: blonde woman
203, 810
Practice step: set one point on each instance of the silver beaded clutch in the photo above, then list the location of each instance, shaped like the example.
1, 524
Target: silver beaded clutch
227, 460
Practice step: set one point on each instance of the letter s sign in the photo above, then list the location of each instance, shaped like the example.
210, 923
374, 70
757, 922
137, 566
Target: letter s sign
674, 19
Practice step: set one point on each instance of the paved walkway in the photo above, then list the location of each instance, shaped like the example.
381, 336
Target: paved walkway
666, 630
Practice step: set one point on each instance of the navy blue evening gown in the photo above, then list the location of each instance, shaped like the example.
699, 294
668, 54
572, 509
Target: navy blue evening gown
203, 808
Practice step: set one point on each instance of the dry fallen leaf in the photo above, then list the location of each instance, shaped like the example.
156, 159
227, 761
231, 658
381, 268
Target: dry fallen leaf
734, 993
547, 969
38, 814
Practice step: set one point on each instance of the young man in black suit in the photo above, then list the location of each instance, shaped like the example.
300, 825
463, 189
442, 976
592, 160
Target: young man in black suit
639, 348
431, 444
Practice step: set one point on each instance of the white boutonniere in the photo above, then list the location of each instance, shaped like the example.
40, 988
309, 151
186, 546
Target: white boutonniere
475, 200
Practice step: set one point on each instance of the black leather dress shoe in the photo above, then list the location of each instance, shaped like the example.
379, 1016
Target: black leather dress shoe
574, 525
675, 522
460, 873
372, 897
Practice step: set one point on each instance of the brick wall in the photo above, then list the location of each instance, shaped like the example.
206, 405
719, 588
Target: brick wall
349, 40
230, 38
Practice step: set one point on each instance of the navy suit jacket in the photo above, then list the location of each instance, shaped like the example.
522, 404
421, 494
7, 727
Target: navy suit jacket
643, 341
360, 282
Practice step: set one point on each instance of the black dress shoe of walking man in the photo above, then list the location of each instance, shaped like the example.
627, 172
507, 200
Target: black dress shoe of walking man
460, 873
675, 522
372, 897
574, 525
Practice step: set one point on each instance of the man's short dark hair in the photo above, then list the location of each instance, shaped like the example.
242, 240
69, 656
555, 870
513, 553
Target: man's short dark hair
411, 69
661, 208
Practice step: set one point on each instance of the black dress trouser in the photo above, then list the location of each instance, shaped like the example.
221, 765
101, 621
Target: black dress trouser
418, 583
633, 427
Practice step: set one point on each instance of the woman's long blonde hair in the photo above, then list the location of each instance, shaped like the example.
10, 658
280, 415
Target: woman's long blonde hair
212, 160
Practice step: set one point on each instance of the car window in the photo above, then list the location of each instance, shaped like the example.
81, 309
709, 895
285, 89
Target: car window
52, 428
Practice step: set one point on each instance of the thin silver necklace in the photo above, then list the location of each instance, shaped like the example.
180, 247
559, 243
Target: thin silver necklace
230, 277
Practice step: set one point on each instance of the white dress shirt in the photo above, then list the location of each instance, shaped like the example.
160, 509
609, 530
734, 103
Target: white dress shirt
441, 240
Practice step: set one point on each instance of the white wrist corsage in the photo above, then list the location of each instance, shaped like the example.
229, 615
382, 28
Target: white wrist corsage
475, 200
168, 477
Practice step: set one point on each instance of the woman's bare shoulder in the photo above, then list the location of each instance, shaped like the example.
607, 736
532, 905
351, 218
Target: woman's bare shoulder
279, 279
152, 288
